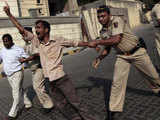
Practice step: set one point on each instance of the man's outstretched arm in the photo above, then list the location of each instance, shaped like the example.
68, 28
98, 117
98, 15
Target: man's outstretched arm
109, 42
13, 19
30, 58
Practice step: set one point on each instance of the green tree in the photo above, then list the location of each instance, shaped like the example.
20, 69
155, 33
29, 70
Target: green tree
82, 2
149, 3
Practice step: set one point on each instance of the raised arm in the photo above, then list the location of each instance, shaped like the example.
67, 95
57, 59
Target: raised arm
13, 19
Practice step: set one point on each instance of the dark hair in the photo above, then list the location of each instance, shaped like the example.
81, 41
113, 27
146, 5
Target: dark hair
28, 29
8, 36
103, 8
45, 24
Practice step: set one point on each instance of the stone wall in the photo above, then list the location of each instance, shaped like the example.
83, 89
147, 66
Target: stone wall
42, 8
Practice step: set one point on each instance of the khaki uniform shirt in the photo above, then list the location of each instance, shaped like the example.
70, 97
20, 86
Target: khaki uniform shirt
51, 54
118, 26
30, 50
155, 14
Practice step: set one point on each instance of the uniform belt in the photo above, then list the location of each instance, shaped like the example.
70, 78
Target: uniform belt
157, 26
132, 51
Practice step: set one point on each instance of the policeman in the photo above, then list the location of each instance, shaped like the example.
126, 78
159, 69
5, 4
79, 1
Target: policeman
130, 50
37, 76
155, 15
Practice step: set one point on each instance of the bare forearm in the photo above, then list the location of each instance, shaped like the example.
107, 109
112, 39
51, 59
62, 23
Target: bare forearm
113, 40
6, 9
110, 41
16, 23
30, 58
82, 44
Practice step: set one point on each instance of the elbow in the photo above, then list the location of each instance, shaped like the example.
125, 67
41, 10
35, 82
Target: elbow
118, 39
21, 31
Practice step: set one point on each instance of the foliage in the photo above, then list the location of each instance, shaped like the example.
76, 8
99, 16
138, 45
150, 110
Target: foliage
149, 3
82, 2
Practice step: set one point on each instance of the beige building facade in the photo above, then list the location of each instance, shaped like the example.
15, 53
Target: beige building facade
34, 8
45, 7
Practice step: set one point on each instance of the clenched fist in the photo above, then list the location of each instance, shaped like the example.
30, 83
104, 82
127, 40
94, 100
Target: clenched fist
22, 60
6, 9
95, 63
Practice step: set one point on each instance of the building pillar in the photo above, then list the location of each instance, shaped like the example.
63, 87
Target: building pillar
19, 8
73, 6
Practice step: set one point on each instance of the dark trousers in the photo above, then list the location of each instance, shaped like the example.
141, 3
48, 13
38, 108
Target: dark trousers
65, 88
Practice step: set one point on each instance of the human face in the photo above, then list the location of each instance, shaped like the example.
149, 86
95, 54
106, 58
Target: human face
40, 31
7, 43
103, 18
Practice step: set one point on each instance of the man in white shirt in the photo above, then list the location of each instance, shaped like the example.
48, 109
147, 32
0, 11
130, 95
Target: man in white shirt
10, 56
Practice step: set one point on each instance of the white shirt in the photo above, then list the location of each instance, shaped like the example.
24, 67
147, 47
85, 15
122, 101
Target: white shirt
10, 58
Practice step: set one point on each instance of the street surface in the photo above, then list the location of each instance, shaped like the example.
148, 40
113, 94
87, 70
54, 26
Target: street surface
140, 102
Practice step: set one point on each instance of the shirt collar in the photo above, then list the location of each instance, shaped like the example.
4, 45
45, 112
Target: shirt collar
109, 24
13, 46
50, 40
10, 48
48, 43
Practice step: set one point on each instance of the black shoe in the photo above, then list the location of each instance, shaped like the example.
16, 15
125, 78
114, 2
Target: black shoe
110, 115
26, 109
45, 110
158, 94
158, 69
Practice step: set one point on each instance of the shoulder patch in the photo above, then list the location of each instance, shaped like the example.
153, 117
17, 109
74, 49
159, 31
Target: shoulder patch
115, 24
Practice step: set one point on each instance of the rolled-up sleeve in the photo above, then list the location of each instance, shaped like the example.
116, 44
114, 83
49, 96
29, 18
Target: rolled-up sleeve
31, 37
28, 36
67, 42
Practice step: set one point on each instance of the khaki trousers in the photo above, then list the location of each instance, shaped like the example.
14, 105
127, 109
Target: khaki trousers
40, 88
142, 62
157, 39
16, 82
157, 48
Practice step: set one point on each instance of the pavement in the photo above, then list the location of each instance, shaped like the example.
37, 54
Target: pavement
140, 102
